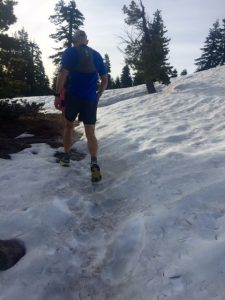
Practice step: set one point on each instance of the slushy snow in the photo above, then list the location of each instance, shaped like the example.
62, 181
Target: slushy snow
154, 229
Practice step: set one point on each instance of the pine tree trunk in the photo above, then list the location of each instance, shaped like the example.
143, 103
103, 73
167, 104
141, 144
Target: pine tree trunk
147, 37
70, 38
150, 86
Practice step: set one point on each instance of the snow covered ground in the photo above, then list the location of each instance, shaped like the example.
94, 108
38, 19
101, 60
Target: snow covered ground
154, 229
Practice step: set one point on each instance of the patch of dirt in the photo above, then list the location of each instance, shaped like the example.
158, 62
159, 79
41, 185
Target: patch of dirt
46, 128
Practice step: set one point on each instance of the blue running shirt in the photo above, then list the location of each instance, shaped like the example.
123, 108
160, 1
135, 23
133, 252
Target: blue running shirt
80, 84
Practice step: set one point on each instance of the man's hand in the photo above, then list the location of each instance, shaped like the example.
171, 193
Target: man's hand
103, 86
60, 88
58, 102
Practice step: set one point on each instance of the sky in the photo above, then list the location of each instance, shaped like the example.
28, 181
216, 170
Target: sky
187, 21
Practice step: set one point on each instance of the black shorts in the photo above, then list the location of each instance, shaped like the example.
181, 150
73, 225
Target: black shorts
86, 110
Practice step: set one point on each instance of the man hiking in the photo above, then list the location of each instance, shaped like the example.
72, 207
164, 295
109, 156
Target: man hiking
81, 68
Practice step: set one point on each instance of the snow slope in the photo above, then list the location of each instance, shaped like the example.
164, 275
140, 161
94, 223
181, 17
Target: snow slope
154, 228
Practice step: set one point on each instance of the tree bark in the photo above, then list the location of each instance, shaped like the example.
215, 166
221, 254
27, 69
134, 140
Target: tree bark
150, 86
147, 37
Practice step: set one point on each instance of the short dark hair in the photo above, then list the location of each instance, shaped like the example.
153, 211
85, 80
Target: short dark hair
78, 35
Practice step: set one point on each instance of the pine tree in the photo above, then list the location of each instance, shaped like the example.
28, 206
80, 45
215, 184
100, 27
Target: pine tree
67, 19
138, 79
210, 57
157, 51
108, 69
55, 75
7, 16
174, 73
8, 46
26, 61
135, 43
13, 64
33, 69
126, 79
107, 63
147, 50
184, 72
222, 44
117, 83
22, 72
21, 68
112, 83
41, 81
8, 63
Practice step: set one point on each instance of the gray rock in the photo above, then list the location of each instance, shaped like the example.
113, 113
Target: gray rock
11, 252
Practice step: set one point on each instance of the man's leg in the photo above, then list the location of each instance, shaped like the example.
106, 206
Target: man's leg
93, 150
91, 140
67, 142
67, 135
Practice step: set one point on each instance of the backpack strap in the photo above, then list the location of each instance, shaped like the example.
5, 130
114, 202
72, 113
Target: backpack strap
85, 62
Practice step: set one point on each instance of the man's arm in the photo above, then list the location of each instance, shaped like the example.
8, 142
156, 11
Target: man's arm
60, 84
103, 85
61, 80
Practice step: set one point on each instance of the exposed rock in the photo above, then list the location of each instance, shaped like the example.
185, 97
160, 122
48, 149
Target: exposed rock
11, 252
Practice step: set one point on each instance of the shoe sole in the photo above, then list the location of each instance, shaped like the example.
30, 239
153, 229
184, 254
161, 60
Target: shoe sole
96, 179
96, 174
64, 164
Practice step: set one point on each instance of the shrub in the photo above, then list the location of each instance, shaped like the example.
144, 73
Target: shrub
13, 109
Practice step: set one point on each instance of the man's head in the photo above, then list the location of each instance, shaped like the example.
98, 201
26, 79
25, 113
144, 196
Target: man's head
80, 38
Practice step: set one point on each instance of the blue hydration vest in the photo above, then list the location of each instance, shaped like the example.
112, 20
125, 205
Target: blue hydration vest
84, 65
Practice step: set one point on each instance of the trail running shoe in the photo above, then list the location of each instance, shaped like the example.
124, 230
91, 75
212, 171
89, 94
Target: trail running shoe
65, 160
95, 173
